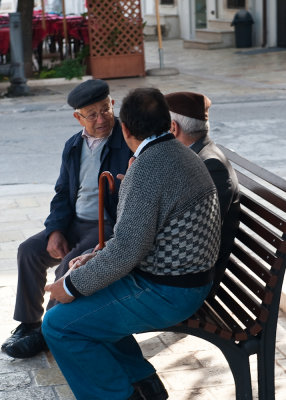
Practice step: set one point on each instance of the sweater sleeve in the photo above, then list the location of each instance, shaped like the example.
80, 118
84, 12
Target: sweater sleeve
134, 234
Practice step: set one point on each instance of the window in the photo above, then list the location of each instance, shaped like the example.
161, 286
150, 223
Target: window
167, 2
235, 3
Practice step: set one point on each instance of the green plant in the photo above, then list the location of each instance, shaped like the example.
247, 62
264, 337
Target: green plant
69, 68
4, 78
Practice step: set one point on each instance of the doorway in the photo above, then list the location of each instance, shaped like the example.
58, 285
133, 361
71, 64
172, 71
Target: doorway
201, 14
281, 23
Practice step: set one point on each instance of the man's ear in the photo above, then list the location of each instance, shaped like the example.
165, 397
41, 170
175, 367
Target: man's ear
175, 128
125, 130
75, 114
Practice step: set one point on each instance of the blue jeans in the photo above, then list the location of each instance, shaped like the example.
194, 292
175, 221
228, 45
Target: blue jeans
91, 338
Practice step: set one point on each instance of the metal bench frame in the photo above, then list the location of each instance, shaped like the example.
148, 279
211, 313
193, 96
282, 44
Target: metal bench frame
241, 317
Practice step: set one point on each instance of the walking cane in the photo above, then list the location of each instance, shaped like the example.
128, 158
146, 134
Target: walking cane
109, 177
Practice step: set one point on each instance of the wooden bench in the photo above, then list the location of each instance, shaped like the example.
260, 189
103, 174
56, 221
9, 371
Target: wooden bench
241, 318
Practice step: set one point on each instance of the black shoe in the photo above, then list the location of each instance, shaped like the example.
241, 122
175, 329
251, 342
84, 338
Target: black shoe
136, 396
152, 388
21, 331
27, 346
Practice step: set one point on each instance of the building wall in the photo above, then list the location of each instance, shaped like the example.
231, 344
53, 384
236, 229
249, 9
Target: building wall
169, 19
183, 18
7, 6
256, 9
187, 21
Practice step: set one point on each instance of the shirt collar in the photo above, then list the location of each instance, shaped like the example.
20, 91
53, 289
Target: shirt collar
146, 141
92, 141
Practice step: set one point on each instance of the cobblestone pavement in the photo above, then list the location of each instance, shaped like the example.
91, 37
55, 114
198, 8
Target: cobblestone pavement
190, 368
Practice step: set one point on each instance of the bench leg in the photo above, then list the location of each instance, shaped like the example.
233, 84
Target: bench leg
239, 364
265, 370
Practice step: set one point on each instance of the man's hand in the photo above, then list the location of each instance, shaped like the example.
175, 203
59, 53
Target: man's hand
131, 161
57, 245
80, 260
58, 292
120, 177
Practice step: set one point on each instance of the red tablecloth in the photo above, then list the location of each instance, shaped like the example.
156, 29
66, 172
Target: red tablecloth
77, 28
4, 41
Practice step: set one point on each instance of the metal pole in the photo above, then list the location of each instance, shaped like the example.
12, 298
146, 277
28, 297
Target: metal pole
264, 23
43, 15
17, 73
65, 28
160, 49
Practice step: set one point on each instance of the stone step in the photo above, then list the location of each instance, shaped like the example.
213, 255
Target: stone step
202, 44
220, 24
207, 34
215, 35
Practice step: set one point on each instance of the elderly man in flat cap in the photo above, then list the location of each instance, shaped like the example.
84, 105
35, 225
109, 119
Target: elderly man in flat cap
190, 125
72, 225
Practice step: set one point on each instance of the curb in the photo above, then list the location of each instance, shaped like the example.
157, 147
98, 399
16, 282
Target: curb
48, 82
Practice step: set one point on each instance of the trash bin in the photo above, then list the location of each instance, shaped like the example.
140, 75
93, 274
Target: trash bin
242, 23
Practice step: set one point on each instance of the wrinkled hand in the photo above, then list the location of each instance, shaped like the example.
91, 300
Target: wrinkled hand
57, 245
97, 248
80, 260
58, 292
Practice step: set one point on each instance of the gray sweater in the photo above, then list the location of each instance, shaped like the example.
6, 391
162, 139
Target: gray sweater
168, 223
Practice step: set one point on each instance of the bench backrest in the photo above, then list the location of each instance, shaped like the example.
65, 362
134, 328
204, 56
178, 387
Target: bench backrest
249, 294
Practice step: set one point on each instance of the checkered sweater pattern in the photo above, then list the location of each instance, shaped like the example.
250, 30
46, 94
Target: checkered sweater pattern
168, 222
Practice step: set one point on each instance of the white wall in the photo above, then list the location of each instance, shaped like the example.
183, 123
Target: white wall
211, 9
256, 9
71, 6
8, 6
186, 10
272, 23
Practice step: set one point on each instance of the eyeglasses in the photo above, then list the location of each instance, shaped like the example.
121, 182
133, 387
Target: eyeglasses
93, 117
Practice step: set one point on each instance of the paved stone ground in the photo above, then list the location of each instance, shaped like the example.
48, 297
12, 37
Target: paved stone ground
190, 368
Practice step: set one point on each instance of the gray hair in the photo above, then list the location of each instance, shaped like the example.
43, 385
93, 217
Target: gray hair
193, 127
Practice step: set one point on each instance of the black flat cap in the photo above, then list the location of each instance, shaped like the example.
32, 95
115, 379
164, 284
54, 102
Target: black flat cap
88, 92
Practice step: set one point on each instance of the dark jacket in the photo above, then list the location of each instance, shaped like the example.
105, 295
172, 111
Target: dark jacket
226, 182
114, 158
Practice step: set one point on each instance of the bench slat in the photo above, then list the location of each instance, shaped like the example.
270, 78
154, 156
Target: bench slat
241, 314
233, 326
268, 215
265, 233
209, 315
261, 191
254, 265
245, 297
211, 322
255, 246
247, 279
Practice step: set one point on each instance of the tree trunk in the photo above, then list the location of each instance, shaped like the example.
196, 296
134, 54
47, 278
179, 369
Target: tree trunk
25, 7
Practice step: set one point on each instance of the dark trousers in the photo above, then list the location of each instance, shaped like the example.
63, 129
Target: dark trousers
34, 260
